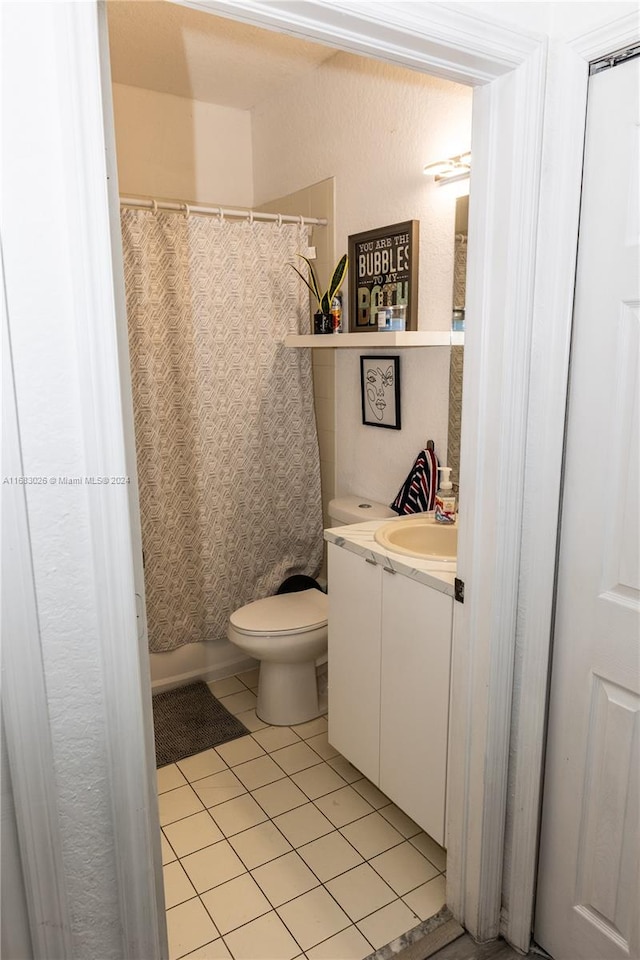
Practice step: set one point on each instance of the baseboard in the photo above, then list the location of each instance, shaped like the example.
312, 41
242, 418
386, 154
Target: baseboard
225, 669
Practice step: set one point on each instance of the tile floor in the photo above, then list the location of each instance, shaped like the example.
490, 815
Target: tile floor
276, 848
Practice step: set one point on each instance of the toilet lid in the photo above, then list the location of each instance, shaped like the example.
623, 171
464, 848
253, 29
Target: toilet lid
285, 613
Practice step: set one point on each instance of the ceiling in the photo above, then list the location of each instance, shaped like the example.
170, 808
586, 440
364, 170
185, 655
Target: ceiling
174, 49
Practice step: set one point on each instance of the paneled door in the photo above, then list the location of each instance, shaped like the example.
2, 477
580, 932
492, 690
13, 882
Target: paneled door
588, 900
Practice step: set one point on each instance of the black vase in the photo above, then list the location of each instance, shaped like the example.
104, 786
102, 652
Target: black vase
322, 322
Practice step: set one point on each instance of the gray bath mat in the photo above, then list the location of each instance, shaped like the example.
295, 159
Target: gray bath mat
189, 719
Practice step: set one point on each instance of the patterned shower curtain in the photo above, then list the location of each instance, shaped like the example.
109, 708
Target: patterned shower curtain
225, 429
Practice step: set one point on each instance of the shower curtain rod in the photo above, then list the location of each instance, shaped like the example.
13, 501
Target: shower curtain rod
188, 208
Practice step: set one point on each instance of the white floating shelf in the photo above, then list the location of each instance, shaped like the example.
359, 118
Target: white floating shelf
403, 338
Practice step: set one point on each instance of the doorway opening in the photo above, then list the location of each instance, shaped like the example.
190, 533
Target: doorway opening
406, 120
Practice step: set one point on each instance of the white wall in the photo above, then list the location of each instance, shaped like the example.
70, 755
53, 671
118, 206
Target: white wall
373, 127
171, 147
56, 251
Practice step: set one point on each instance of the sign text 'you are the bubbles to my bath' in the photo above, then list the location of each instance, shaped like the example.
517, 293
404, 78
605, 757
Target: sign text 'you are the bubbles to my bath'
384, 272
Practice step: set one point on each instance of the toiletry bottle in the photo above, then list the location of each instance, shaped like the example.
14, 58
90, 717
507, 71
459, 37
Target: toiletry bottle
336, 313
445, 505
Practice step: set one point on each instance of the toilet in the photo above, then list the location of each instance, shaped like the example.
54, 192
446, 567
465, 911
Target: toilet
288, 633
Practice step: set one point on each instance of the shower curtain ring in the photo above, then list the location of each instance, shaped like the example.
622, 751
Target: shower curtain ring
220, 214
155, 207
301, 220
187, 211
279, 219
251, 218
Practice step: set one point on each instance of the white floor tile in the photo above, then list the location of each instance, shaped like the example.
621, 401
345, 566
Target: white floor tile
168, 778
259, 845
404, 868
193, 833
330, 856
279, 797
214, 865
274, 738
250, 678
312, 727
238, 702
251, 721
296, 757
218, 788
322, 746
201, 765
235, 903
177, 804
318, 780
266, 938
388, 923
347, 945
189, 926
344, 768
371, 835
303, 824
398, 819
256, 773
343, 806
360, 891
168, 855
429, 898
285, 878
313, 917
239, 751
371, 793
217, 950
225, 687
431, 850
177, 886
239, 814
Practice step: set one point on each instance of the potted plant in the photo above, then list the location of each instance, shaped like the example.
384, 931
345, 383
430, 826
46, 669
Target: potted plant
323, 318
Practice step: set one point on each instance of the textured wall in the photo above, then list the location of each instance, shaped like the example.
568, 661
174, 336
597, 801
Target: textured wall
172, 147
373, 127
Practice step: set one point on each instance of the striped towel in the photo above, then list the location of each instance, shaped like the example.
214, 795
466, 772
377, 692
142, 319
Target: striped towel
418, 492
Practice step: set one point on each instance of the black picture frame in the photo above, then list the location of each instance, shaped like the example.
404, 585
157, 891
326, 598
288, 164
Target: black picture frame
380, 391
383, 265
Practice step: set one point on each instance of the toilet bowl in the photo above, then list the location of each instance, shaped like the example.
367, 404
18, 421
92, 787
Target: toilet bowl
287, 633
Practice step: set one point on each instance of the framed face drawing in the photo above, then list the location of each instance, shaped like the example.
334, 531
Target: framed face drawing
380, 390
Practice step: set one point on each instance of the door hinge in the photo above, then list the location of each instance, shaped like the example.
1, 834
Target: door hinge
458, 590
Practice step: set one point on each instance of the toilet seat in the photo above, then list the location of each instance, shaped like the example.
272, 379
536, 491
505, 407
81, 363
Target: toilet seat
282, 615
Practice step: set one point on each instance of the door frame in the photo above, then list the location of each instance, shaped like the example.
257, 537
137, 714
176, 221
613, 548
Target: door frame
529, 94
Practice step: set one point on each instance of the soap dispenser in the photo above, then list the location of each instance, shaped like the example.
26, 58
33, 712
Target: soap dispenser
445, 504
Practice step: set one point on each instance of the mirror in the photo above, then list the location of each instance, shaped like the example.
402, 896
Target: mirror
457, 324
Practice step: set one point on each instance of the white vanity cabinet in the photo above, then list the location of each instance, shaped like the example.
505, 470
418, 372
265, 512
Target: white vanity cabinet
389, 670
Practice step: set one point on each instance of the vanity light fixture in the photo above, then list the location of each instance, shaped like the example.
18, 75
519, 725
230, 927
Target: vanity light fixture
446, 171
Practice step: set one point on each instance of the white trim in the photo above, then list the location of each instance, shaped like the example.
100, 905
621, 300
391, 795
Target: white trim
431, 37
24, 701
125, 670
553, 308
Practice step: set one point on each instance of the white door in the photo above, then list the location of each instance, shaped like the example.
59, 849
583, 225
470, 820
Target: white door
588, 895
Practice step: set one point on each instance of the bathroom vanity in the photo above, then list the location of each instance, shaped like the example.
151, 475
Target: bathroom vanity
390, 623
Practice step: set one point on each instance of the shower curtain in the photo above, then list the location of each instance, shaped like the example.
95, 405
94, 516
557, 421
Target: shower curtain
226, 440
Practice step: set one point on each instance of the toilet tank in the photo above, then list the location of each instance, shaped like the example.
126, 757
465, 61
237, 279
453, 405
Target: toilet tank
356, 509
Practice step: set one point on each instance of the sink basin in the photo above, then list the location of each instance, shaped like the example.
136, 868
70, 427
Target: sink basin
420, 536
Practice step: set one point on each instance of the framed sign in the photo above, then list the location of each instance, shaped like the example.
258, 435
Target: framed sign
380, 391
383, 273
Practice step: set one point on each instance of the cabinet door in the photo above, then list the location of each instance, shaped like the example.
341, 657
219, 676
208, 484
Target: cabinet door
414, 725
354, 659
